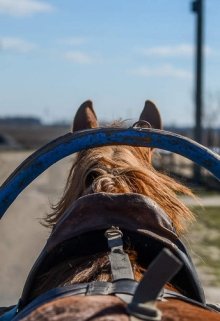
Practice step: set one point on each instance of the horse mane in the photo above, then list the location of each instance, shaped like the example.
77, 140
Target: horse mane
122, 169
86, 269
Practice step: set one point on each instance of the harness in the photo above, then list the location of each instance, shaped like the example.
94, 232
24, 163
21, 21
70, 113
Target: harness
140, 297
170, 263
138, 217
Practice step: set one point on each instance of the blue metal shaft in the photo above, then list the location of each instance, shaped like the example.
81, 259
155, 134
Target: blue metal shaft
70, 143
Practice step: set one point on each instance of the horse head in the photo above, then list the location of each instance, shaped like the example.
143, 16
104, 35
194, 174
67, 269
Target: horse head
122, 169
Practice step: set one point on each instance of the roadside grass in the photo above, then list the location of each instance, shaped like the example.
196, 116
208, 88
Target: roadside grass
208, 216
200, 192
204, 241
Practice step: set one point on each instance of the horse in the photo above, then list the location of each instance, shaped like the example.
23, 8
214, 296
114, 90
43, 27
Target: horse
115, 250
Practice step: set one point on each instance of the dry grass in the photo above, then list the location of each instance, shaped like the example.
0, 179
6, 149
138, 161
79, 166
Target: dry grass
205, 242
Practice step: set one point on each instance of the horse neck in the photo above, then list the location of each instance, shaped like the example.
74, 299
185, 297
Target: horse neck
84, 270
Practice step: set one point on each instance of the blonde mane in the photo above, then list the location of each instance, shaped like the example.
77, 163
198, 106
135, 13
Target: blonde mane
123, 169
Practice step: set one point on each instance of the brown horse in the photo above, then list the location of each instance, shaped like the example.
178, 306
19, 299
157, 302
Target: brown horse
114, 186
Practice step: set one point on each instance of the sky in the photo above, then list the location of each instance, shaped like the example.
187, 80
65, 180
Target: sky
56, 54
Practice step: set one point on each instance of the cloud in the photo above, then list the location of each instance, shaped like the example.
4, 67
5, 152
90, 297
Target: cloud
23, 7
182, 50
16, 45
78, 57
162, 71
73, 41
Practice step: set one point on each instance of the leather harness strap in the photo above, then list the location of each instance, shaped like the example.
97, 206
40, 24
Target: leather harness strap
160, 271
127, 287
121, 268
120, 263
119, 287
167, 294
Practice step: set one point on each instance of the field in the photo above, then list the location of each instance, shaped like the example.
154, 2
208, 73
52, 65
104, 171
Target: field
22, 237
205, 242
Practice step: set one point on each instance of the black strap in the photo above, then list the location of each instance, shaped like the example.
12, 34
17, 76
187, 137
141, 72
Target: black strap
213, 306
167, 294
119, 288
160, 271
120, 263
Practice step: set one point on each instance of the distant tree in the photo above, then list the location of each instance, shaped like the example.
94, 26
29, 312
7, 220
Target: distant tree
20, 121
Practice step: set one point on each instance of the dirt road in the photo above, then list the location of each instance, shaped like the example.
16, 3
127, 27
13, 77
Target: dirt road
21, 235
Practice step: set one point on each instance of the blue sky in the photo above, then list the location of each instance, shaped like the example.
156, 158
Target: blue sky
56, 54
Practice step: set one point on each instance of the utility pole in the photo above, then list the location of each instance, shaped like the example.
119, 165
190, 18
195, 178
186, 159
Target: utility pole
197, 8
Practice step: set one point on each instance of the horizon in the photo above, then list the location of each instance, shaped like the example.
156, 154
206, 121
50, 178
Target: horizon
56, 55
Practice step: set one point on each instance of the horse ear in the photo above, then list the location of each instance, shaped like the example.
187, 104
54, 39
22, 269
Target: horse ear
85, 117
151, 114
